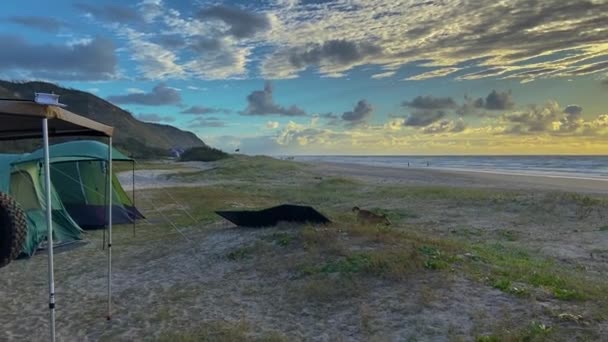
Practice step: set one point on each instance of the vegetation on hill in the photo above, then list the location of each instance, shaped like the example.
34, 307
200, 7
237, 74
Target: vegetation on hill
137, 137
203, 153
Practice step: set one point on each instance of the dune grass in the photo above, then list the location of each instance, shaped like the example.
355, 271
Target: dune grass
334, 263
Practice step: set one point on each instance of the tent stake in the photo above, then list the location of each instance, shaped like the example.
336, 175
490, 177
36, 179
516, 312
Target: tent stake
49, 224
109, 189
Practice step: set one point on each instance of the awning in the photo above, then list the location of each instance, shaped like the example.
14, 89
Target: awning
21, 119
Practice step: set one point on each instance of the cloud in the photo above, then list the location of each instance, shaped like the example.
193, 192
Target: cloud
110, 13
341, 52
385, 74
201, 110
538, 39
242, 24
573, 118
420, 118
195, 88
44, 24
261, 102
432, 74
217, 58
533, 119
86, 61
135, 91
153, 60
362, 111
445, 126
272, 124
294, 134
170, 41
152, 117
203, 122
430, 102
160, 95
496, 101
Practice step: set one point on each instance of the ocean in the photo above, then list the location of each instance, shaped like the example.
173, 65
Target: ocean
586, 167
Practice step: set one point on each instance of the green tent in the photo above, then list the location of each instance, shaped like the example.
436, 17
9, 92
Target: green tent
78, 172
25, 183
78, 176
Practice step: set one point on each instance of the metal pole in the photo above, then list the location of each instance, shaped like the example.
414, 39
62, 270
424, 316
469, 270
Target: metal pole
133, 196
109, 170
49, 224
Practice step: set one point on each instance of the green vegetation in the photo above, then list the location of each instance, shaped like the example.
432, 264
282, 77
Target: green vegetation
140, 151
204, 154
437, 232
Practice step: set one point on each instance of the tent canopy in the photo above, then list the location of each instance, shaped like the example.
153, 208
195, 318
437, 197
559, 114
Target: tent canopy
76, 151
22, 119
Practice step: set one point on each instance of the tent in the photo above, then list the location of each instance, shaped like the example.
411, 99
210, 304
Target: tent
24, 182
78, 178
78, 173
42, 118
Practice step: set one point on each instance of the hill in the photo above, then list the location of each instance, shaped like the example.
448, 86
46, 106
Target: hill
140, 139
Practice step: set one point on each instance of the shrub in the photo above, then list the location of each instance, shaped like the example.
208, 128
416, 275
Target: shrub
204, 154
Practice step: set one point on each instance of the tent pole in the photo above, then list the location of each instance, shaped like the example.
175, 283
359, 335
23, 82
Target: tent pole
49, 224
133, 194
109, 185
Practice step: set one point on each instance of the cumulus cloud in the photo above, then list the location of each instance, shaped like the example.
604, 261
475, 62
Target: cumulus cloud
272, 124
161, 94
533, 119
44, 24
201, 110
110, 13
152, 117
241, 23
430, 102
362, 111
261, 102
496, 101
573, 118
303, 135
86, 61
443, 126
420, 118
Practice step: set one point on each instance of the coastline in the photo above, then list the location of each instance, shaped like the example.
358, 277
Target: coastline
463, 177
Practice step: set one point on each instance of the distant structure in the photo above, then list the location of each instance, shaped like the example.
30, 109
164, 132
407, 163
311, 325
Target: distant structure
177, 152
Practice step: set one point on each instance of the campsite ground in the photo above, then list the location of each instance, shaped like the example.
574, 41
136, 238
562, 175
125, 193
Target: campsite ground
468, 256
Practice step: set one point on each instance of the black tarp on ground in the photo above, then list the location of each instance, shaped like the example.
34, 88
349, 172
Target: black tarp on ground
272, 216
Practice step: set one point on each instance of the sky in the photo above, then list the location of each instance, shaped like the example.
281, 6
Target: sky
319, 77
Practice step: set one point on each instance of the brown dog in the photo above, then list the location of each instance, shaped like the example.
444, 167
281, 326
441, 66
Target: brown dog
366, 216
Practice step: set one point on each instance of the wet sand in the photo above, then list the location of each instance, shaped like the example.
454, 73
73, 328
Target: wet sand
442, 177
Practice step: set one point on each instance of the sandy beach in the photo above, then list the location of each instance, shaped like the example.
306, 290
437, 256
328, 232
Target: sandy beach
454, 244
431, 176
